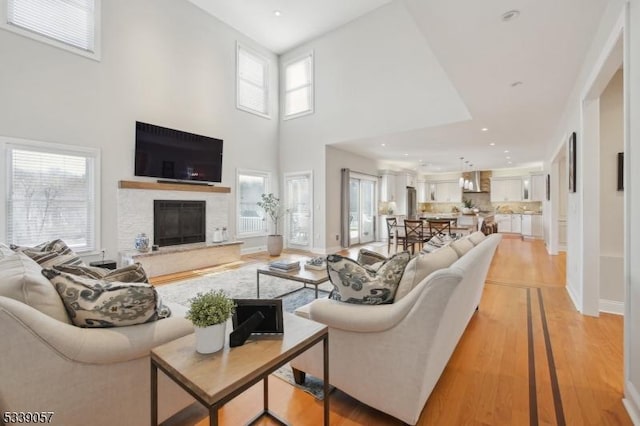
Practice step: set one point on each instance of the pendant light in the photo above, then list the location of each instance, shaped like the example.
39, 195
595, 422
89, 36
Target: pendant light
461, 181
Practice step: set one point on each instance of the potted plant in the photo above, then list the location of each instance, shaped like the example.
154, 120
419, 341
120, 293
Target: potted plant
468, 205
209, 313
271, 206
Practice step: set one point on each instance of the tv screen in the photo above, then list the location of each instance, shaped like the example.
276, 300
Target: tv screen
173, 154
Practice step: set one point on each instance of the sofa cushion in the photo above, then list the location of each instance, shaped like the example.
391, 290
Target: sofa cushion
5, 251
133, 273
477, 237
51, 253
100, 303
354, 283
368, 257
21, 279
421, 266
462, 246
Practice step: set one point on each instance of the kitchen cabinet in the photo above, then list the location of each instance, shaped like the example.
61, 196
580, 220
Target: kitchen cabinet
387, 187
506, 189
538, 187
422, 189
537, 225
516, 223
504, 222
532, 225
448, 192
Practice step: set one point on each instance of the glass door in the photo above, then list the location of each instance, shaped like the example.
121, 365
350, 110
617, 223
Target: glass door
299, 205
362, 203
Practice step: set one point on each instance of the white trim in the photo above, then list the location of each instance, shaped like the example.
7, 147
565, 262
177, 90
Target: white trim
267, 85
253, 250
328, 250
632, 402
95, 54
612, 307
308, 173
312, 85
574, 298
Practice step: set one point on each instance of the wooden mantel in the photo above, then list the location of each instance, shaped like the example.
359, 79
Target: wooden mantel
129, 184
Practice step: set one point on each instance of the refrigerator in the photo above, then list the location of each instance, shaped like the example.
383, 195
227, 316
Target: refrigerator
412, 208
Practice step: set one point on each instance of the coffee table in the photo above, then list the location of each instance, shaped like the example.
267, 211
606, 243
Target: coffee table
215, 379
306, 276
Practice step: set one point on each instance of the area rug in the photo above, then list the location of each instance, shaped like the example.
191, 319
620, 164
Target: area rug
241, 284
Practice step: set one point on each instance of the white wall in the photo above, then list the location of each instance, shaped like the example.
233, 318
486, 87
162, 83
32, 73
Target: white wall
360, 92
163, 61
611, 200
632, 207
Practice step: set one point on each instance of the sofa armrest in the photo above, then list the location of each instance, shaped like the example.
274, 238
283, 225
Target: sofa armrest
376, 318
90, 345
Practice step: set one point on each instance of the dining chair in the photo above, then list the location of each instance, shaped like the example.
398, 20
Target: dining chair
393, 233
414, 233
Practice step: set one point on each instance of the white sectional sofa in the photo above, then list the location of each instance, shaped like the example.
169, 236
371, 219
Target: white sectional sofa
85, 376
391, 356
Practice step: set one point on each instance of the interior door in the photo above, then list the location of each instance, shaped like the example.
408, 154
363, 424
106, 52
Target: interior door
299, 203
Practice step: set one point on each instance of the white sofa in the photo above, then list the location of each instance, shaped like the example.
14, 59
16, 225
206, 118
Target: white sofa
391, 356
85, 376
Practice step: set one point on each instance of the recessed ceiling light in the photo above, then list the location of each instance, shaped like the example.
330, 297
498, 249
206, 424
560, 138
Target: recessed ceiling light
510, 162
510, 15
277, 13
506, 151
406, 155
383, 144
508, 158
484, 129
516, 83
492, 144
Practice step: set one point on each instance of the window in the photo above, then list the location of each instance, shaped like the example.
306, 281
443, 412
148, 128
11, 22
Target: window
251, 218
252, 82
70, 24
51, 193
298, 86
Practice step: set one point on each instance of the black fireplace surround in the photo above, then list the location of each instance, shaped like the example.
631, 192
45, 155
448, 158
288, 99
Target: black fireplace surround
178, 222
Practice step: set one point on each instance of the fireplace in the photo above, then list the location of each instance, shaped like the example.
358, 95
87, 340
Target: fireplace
178, 222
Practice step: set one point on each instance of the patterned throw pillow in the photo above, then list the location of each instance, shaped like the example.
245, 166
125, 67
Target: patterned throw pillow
353, 283
99, 303
133, 273
51, 253
436, 242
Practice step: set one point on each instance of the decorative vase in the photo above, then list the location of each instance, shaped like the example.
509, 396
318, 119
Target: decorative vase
142, 242
274, 245
466, 210
210, 339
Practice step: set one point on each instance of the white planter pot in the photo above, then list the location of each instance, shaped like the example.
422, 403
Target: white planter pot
210, 339
274, 245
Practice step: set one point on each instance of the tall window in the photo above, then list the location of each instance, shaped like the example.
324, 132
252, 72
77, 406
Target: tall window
252, 82
251, 218
298, 86
70, 24
52, 193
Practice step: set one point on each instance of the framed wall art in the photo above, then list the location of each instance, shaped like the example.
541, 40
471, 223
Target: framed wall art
572, 163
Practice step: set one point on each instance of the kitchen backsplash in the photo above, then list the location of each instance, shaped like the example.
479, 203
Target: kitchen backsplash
482, 205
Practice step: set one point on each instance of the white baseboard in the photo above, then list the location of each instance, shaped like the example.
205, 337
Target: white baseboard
631, 402
328, 250
573, 297
612, 307
251, 250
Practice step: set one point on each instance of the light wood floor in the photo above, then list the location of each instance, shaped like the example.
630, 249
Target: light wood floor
527, 357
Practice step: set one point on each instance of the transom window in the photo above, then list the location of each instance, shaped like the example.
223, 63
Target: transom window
252, 82
70, 24
51, 194
251, 218
298, 86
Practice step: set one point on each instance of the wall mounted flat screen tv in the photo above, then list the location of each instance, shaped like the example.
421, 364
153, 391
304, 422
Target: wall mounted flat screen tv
177, 155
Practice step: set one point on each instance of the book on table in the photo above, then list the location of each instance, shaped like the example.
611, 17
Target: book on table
274, 268
287, 265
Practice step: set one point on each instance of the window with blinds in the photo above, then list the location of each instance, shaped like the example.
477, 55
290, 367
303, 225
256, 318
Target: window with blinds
298, 86
252, 82
70, 22
51, 194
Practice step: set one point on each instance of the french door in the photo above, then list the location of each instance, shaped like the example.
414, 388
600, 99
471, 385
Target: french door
299, 210
362, 211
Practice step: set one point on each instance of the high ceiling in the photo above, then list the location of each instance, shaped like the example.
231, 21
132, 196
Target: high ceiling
514, 76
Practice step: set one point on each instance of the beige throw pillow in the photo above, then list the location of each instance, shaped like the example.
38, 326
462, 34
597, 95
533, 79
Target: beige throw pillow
462, 246
421, 266
477, 237
21, 279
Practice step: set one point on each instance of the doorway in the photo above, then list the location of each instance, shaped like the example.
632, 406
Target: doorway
299, 209
362, 201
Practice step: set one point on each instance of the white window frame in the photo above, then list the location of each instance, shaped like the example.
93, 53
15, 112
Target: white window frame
267, 177
94, 54
266, 87
311, 85
7, 143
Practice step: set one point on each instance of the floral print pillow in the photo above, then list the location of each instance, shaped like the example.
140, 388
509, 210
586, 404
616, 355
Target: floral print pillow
354, 283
